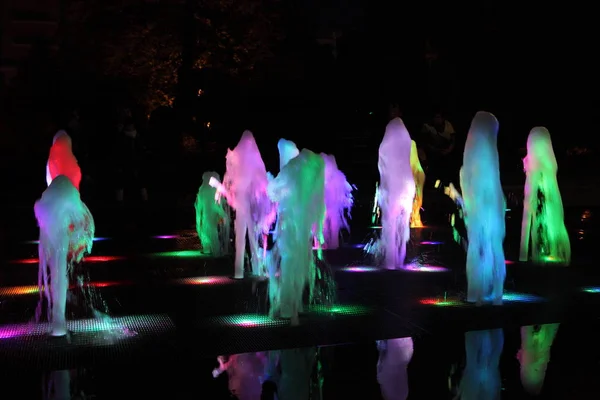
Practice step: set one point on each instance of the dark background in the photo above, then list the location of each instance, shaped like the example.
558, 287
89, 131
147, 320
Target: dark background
529, 64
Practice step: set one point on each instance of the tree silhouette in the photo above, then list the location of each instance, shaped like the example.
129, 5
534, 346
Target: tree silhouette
155, 44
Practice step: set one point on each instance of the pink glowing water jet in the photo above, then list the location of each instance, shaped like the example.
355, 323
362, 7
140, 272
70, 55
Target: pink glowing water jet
66, 234
245, 188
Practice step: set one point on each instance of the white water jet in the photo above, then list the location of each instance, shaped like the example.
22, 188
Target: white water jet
338, 202
543, 221
66, 234
287, 151
396, 192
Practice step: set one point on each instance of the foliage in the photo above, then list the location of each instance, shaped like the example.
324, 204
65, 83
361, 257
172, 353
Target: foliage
143, 41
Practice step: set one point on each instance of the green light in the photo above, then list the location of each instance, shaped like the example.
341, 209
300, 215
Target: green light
181, 254
340, 309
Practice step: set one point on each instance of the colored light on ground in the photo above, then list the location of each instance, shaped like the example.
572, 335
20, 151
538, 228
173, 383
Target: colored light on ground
508, 262
95, 259
359, 246
18, 290
454, 301
251, 321
10, 291
181, 254
166, 237
340, 309
423, 268
521, 297
591, 289
429, 243
205, 280
360, 269
119, 328
442, 302
91, 259
375, 227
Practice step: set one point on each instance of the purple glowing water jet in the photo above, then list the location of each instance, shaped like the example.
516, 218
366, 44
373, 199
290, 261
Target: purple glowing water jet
338, 202
396, 192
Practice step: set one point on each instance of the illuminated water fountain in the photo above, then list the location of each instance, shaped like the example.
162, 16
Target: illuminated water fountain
298, 190
483, 207
395, 195
338, 202
419, 177
245, 188
66, 234
61, 160
543, 222
212, 218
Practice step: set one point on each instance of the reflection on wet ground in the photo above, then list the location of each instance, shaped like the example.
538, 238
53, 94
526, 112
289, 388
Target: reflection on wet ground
547, 361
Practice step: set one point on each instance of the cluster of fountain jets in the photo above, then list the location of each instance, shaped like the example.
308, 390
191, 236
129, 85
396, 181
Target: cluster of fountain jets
309, 201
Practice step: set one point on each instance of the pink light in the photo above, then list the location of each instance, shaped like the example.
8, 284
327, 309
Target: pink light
428, 243
423, 268
205, 280
508, 262
9, 332
166, 237
360, 269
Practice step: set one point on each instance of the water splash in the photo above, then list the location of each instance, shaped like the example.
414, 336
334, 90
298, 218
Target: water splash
338, 202
66, 234
419, 177
213, 219
543, 215
298, 190
483, 207
396, 193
